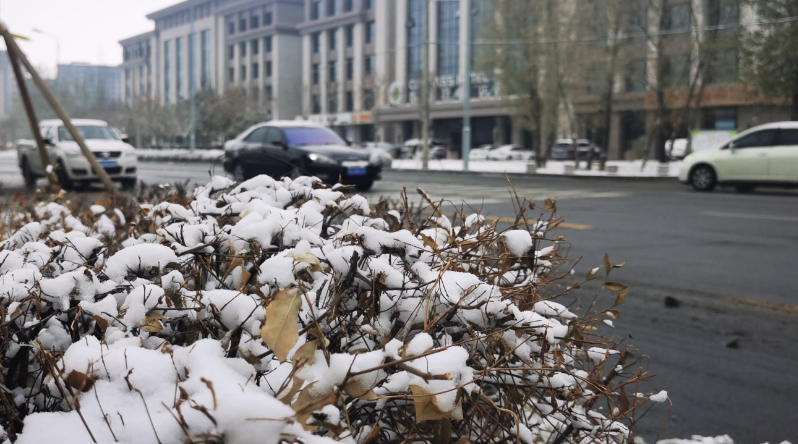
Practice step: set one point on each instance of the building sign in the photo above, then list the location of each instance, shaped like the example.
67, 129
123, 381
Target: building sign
396, 93
448, 88
341, 119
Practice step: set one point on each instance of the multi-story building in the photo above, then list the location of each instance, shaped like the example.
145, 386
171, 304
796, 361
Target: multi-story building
93, 84
138, 67
339, 64
262, 54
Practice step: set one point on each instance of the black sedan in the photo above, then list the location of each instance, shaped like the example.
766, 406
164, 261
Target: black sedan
299, 148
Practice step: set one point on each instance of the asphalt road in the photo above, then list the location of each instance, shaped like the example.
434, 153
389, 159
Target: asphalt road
727, 354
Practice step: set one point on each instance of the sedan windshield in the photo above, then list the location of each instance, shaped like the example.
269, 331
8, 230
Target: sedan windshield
87, 132
312, 136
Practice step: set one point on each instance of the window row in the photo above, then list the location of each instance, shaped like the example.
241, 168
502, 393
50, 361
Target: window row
349, 69
367, 102
255, 21
254, 48
330, 8
369, 37
254, 71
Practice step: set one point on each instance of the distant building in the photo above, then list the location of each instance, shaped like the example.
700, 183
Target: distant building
137, 67
93, 84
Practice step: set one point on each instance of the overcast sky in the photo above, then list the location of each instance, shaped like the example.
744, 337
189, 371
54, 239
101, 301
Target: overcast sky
88, 29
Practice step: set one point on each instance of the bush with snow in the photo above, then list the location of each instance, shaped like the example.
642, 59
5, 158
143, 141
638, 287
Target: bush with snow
285, 311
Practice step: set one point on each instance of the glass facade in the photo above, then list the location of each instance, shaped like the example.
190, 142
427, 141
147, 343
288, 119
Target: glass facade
415, 38
205, 59
178, 67
449, 38
166, 71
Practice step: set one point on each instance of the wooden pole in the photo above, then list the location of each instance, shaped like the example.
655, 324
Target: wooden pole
34, 127
11, 45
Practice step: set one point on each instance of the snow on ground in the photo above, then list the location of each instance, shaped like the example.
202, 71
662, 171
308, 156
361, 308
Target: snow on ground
178, 154
553, 167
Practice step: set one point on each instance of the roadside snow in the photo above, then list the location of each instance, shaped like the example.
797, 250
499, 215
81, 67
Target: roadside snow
553, 167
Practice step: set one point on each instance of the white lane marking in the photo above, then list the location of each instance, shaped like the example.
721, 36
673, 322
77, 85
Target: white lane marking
750, 216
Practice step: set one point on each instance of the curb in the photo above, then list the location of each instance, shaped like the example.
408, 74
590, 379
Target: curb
547, 175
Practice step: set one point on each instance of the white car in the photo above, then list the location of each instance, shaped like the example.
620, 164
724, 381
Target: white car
763, 155
511, 152
73, 169
480, 153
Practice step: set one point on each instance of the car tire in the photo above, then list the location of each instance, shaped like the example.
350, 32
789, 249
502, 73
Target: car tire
364, 186
240, 173
703, 178
27, 174
745, 188
63, 178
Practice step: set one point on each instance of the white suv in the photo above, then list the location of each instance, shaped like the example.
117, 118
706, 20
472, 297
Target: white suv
73, 169
763, 155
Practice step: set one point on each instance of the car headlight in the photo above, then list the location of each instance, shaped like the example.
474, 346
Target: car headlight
321, 158
130, 155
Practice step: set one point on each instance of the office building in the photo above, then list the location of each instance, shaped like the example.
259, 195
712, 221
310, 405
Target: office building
92, 84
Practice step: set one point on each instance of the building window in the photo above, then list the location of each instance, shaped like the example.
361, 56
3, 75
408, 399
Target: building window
315, 41
676, 17
255, 72
448, 31
231, 28
723, 67
267, 19
179, 66
205, 58
415, 32
332, 8
368, 65
349, 5
636, 76
254, 22
724, 12
231, 53
370, 32
231, 75
267, 44
166, 71
349, 35
332, 71
268, 69
316, 73
368, 99
350, 68
242, 25
676, 70
332, 40
254, 47
369, 4
350, 102
243, 72
315, 10
719, 118
332, 102
242, 49
268, 92
315, 104
127, 75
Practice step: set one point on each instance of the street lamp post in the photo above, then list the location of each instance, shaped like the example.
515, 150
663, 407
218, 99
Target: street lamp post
467, 90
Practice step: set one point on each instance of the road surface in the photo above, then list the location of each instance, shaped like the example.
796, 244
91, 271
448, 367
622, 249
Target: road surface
727, 354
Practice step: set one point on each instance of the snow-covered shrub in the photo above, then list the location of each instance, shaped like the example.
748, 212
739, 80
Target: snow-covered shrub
285, 311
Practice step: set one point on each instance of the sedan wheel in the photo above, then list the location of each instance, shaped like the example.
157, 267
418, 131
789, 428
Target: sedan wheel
703, 178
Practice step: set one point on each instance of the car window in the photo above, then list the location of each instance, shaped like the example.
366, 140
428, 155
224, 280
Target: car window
274, 135
312, 136
788, 137
257, 136
756, 140
87, 132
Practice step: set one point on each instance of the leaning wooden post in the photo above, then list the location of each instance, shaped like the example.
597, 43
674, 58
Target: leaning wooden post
34, 127
11, 45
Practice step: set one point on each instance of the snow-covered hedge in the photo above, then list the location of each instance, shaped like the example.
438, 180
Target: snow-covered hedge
285, 311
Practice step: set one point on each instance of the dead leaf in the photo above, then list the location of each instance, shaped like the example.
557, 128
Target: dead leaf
355, 388
621, 297
279, 331
79, 381
429, 242
427, 407
307, 258
550, 205
614, 314
296, 386
591, 274
235, 263
151, 325
305, 354
607, 264
245, 275
615, 286
102, 323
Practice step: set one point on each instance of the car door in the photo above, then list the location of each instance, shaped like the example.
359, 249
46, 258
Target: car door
249, 154
746, 158
276, 151
783, 157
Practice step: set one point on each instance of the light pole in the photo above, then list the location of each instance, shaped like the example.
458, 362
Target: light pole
57, 45
425, 91
192, 137
467, 89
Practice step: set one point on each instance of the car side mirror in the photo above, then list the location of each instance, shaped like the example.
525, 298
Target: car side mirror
125, 139
48, 141
280, 144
